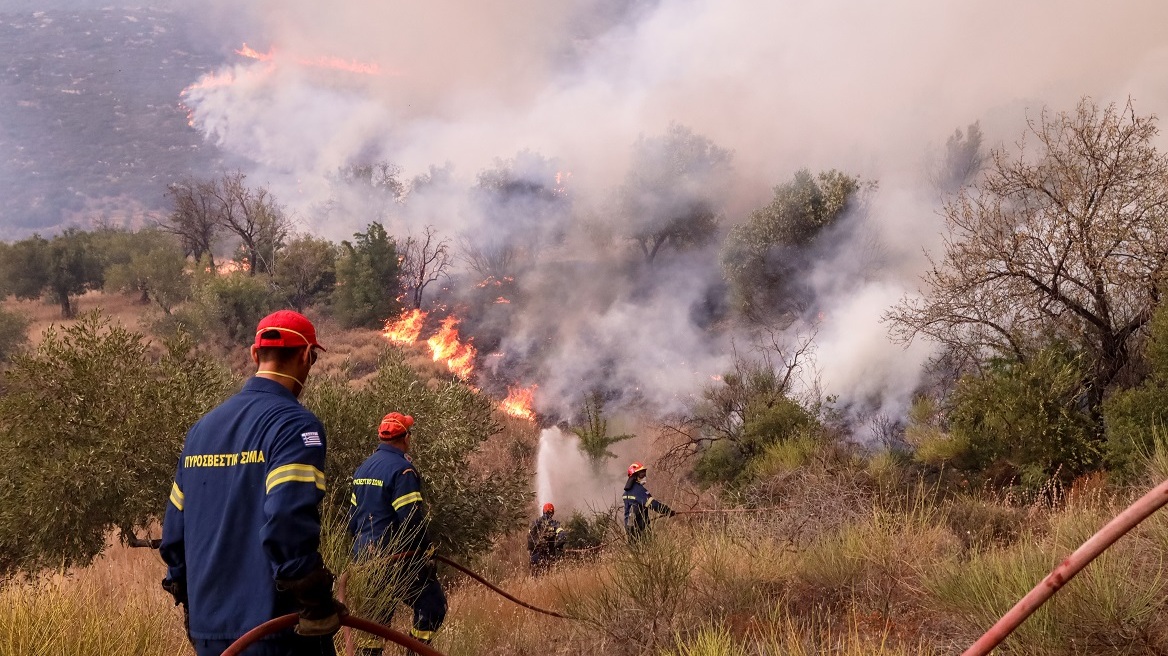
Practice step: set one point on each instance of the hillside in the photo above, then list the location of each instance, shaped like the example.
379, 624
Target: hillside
90, 121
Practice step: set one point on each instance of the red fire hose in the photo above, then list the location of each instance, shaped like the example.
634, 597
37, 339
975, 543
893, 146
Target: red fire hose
498, 591
288, 621
1066, 570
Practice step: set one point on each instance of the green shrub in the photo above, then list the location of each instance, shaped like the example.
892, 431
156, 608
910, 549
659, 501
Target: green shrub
1030, 416
13, 334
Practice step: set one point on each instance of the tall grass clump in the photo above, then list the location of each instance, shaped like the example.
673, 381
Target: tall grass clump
114, 607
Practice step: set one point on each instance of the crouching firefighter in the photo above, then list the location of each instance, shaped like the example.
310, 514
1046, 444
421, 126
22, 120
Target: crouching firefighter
638, 503
388, 520
545, 540
241, 534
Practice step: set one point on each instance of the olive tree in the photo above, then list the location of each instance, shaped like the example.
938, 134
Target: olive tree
673, 192
92, 422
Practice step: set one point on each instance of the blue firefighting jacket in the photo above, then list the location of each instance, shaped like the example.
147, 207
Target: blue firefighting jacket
638, 503
387, 510
243, 509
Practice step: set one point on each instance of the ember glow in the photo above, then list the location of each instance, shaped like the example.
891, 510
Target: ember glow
407, 329
446, 347
519, 402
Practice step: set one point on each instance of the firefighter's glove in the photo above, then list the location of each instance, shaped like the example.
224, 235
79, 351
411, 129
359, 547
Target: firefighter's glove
671, 513
320, 613
177, 589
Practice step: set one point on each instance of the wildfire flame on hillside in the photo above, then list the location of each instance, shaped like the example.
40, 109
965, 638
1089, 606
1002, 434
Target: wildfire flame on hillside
519, 402
407, 329
323, 61
446, 347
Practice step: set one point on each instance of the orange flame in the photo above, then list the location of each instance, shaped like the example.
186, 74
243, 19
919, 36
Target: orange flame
447, 348
519, 402
501, 300
407, 329
251, 53
323, 61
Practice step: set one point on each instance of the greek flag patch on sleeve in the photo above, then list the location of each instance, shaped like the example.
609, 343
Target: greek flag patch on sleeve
311, 438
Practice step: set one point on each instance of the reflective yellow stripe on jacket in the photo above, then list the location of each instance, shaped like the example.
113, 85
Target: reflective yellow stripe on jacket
295, 473
406, 499
176, 496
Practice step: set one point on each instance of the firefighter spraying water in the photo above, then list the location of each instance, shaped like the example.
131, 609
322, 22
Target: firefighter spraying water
545, 540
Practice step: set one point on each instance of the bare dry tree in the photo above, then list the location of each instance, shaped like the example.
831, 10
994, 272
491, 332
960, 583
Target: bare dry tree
723, 411
253, 215
194, 219
1067, 243
498, 261
426, 259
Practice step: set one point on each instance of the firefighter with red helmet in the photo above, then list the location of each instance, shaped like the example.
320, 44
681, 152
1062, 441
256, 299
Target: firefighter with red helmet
638, 503
545, 540
388, 518
241, 534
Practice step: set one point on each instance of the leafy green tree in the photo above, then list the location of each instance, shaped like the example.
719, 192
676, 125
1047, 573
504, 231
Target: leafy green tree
368, 279
305, 271
593, 433
13, 333
95, 421
761, 256
152, 265
1030, 419
1137, 418
673, 191
470, 506
60, 268
237, 302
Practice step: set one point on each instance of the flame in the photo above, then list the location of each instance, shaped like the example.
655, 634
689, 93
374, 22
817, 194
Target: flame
407, 329
501, 300
323, 61
447, 348
251, 53
519, 402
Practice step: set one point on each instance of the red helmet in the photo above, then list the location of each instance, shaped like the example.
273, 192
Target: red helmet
548, 508
394, 425
636, 467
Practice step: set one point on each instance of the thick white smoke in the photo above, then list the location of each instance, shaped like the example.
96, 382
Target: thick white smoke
868, 88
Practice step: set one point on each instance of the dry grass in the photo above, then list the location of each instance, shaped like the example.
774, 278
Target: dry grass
113, 607
122, 309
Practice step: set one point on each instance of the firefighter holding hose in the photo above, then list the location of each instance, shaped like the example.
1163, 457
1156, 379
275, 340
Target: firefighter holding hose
545, 540
638, 503
388, 514
241, 534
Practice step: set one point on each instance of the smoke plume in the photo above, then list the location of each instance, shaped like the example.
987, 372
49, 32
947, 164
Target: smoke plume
529, 89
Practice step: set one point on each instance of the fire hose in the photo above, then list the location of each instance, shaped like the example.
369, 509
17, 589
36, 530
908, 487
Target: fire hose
1066, 570
288, 621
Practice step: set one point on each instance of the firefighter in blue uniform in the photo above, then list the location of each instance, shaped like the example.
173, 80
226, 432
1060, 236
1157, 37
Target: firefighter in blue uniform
638, 503
388, 519
545, 540
241, 534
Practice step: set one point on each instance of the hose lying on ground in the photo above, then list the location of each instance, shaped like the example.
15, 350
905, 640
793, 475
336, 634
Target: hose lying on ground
288, 621
498, 591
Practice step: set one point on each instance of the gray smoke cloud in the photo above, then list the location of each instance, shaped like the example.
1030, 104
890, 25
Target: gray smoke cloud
868, 88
